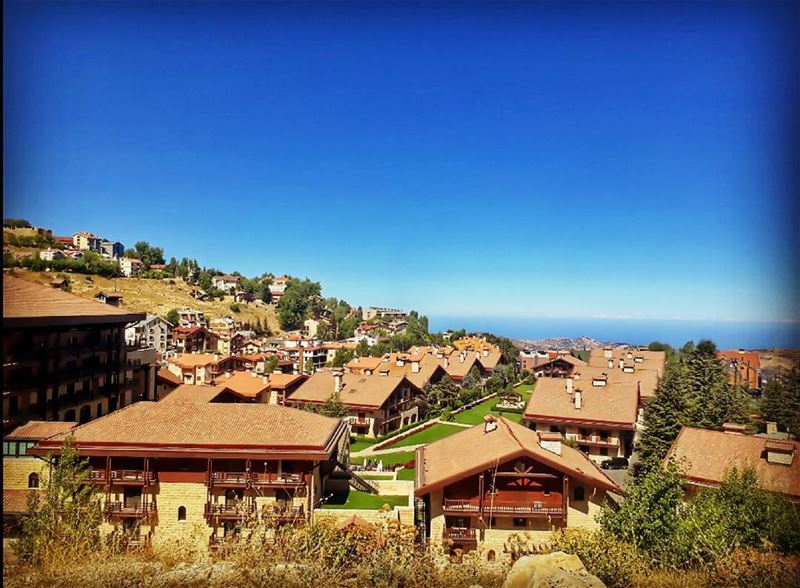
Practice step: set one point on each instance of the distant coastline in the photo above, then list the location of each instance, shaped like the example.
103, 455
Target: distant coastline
726, 334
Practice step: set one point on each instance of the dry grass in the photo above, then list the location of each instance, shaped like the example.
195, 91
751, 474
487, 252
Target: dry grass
158, 297
779, 358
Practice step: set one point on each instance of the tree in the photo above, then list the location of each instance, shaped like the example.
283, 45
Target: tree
300, 300
712, 400
362, 349
308, 368
659, 346
443, 393
334, 407
781, 400
64, 521
271, 364
665, 413
342, 357
204, 281
172, 317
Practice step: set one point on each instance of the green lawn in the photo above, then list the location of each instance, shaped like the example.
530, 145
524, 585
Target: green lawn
406, 474
474, 416
391, 459
376, 476
361, 443
434, 433
355, 499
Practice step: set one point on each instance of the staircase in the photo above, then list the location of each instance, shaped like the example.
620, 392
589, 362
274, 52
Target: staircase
357, 482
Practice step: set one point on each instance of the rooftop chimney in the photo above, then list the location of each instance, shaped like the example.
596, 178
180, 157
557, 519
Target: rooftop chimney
578, 399
772, 427
551, 442
607, 352
400, 362
255, 375
265, 379
611, 363
489, 423
621, 363
734, 428
779, 452
337, 381
569, 385
485, 352
446, 362
414, 367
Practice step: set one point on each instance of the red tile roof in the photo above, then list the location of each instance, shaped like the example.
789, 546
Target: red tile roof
168, 376
750, 357
40, 429
15, 501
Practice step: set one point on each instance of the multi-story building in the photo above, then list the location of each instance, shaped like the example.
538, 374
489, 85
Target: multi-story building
707, 456
193, 340
168, 471
191, 318
278, 288
491, 482
64, 357
153, 331
226, 283
130, 267
113, 249
383, 313
377, 404
599, 415
86, 241
744, 368
202, 368
299, 350
141, 367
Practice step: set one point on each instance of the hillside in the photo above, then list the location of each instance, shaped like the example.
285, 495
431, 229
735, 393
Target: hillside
158, 297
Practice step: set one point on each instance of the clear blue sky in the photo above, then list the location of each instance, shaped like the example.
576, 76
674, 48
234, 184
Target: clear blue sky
584, 160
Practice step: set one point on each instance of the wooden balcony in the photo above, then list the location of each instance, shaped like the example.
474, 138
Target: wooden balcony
595, 440
504, 507
131, 510
460, 534
243, 479
293, 514
133, 477
229, 511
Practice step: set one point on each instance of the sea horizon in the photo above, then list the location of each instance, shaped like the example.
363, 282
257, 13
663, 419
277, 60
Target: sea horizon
676, 332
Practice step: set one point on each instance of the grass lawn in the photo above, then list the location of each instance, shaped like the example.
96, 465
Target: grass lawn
391, 459
361, 443
376, 476
434, 433
474, 416
362, 501
406, 474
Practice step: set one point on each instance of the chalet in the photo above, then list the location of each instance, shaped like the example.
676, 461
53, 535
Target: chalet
419, 370
562, 366
459, 364
744, 367
169, 469
111, 298
598, 415
493, 481
202, 368
377, 404
645, 379
707, 455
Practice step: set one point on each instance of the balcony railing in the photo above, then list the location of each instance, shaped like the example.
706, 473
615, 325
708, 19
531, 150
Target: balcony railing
283, 513
501, 507
133, 477
460, 534
595, 440
134, 510
256, 479
229, 511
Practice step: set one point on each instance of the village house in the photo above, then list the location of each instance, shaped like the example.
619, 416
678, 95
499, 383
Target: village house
130, 267
23, 473
485, 484
278, 288
224, 325
153, 331
420, 370
202, 368
111, 298
252, 387
64, 357
166, 383
459, 364
597, 414
230, 343
166, 475
378, 404
706, 456
86, 241
227, 283
193, 340
383, 313
51, 254
191, 318
65, 242
744, 368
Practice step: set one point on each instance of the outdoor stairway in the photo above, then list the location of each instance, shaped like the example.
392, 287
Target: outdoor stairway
357, 482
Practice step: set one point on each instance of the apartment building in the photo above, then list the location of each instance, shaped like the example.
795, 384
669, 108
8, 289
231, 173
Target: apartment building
383, 313
488, 483
202, 368
130, 267
201, 472
153, 331
378, 404
226, 283
64, 357
191, 318
597, 414
193, 340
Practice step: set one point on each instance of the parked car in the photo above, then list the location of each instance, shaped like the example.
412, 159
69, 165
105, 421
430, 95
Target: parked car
615, 463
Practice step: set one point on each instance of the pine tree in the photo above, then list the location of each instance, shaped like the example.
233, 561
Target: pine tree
712, 400
334, 407
665, 414
773, 403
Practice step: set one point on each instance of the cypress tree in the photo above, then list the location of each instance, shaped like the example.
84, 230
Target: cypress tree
665, 414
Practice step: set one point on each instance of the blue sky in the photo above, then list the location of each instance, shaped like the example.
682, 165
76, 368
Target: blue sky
582, 160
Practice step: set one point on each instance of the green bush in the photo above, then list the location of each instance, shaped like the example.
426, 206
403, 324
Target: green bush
235, 307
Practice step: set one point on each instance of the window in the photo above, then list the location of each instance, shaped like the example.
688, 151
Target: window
519, 522
181, 514
490, 556
604, 451
579, 494
33, 480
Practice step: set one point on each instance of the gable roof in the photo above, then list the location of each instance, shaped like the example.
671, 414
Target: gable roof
244, 384
193, 393
615, 404
456, 368
570, 359
192, 360
647, 379
35, 430
749, 357
283, 381
164, 428
652, 360
363, 363
30, 304
167, 376
472, 450
491, 359
358, 390
427, 364
15, 501
708, 455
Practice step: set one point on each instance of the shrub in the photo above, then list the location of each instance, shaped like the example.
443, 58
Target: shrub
235, 307
756, 568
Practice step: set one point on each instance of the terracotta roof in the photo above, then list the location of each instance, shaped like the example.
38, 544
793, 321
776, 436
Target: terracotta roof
358, 390
708, 455
15, 501
40, 429
490, 360
245, 384
283, 381
750, 357
363, 363
614, 404
172, 426
428, 366
353, 521
166, 375
191, 360
193, 393
652, 360
472, 450
570, 359
456, 368
27, 303
183, 332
